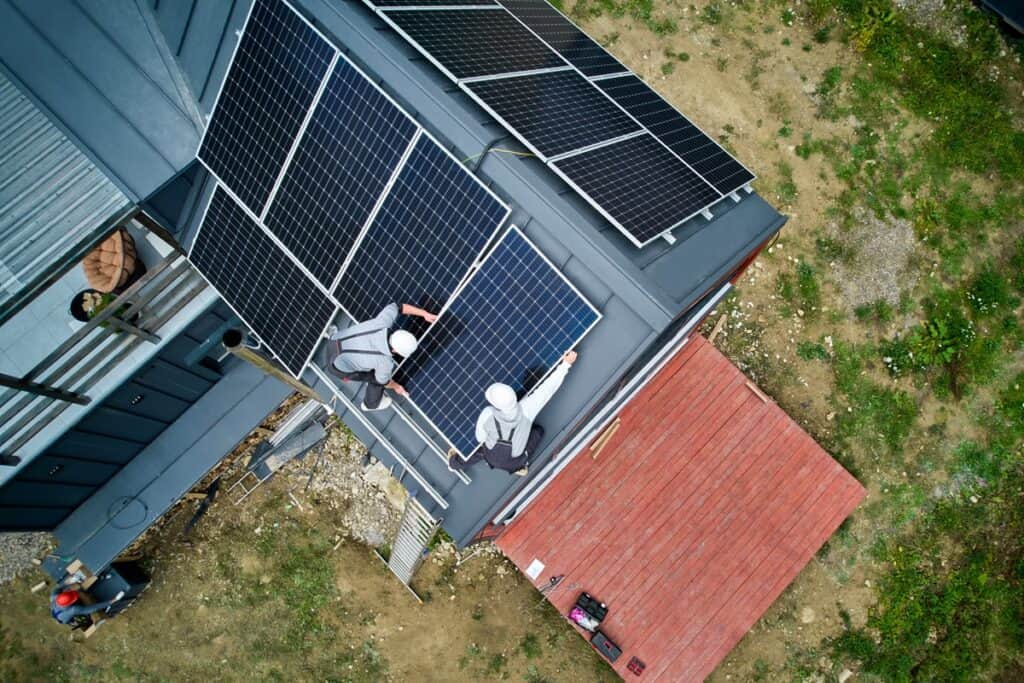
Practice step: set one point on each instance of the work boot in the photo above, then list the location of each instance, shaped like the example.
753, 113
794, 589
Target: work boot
331, 331
521, 472
385, 403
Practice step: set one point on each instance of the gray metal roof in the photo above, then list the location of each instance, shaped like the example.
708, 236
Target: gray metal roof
51, 196
104, 74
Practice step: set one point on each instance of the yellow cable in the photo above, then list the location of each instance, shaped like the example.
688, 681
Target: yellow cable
499, 149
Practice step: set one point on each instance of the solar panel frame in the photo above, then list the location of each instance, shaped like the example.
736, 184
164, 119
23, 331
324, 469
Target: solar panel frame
497, 54
406, 216
346, 155
553, 112
427, 4
564, 37
677, 132
256, 193
663, 193
297, 276
476, 402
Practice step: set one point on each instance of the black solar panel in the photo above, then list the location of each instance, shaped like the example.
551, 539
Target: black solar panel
348, 153
554, 112
277, 70
675, 130
267, 290
475, 42
564, 37
640, 185
428, 3
432, 226
511, 323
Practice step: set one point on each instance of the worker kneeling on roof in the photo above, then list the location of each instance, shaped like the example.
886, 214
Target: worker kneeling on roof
508, 437
364, 352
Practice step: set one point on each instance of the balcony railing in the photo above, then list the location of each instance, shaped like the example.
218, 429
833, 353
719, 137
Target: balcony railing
66, 376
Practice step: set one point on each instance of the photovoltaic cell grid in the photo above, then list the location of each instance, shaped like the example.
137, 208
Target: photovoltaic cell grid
430, 229
270, 293
277, 70
640, 184
511, 322
430, 3
555, 112
675, 130
564, 37
348, 152
475, 42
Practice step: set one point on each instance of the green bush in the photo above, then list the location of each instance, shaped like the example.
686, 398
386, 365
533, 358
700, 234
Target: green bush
989, 292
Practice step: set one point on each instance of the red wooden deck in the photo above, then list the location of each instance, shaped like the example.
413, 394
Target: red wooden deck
704, 505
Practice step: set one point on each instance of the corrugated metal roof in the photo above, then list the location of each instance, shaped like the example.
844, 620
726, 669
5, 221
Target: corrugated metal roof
51, 195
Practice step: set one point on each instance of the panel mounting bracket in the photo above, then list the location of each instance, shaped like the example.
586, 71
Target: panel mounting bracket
734, 196
707, 214
668, 237
748, 188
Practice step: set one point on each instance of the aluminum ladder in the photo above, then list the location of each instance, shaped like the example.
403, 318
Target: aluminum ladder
411, 541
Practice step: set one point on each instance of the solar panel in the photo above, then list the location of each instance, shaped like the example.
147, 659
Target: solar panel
564, 37
429, 3
510, 323
264, 287
639, 185
678, 132
474, 42
348, 153
431, 227
277, 69
554, 112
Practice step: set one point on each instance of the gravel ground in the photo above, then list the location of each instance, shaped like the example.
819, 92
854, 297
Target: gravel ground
372, 500
880, 267
17, 551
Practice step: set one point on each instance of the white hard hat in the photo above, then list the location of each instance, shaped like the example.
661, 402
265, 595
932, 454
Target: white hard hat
501, 396
403, 343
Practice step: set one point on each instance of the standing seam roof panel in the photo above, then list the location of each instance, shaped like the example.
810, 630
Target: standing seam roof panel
51, 195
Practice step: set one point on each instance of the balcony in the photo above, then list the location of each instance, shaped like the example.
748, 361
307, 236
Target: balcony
53, 368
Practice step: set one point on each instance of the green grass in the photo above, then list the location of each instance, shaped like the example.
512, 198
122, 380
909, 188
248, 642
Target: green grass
530, 645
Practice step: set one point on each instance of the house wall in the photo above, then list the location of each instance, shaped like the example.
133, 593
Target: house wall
54, 483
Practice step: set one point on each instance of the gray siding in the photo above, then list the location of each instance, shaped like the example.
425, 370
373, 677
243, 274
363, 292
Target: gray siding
102, 74
51, 196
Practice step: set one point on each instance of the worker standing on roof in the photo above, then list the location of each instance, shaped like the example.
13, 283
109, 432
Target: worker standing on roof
365, 352
505, 428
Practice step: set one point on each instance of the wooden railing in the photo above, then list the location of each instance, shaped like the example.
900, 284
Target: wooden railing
66, 376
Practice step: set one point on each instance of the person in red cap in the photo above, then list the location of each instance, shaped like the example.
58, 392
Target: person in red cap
67, 608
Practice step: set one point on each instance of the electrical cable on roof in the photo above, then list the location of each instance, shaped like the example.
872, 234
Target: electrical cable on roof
498, 149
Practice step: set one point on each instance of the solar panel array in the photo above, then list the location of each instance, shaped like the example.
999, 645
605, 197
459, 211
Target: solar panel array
264, 287
563, 95
431, 228
276, 72
328, 194
510, 323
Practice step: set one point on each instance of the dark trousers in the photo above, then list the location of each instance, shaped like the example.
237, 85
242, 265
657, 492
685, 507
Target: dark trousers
499, 459
374, 392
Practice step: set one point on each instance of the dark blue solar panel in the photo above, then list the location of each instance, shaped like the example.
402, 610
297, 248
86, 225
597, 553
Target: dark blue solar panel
513, 320
430, 229
475, 42
555, 112
276, 72
428, 3
639, 184
564, 37
267, 290
350, 149
684, 138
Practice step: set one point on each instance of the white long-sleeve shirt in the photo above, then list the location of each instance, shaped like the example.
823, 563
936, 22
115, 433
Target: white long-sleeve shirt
524, 415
